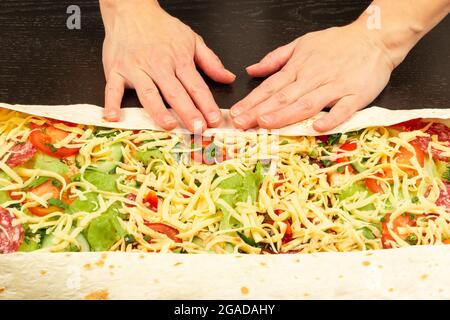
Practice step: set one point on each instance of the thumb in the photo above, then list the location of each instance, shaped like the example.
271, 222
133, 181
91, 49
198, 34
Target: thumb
210, 63
272, 62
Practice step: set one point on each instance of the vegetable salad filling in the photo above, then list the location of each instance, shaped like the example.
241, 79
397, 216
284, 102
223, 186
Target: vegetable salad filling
68, 187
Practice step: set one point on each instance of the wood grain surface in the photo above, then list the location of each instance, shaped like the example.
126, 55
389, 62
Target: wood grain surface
42, 62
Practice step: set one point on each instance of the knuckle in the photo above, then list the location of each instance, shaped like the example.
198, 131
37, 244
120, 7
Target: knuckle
268, 87
307, 105
171, 95
199, 87
148, 92
281, 97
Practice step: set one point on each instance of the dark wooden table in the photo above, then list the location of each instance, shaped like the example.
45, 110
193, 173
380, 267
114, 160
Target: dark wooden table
42, 62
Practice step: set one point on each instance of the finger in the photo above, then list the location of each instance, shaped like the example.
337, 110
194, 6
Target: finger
114, 90
200, 93
277, 101
177, 97
210, 63
305, 107
150, 98
272, 62
266, 89
341, 112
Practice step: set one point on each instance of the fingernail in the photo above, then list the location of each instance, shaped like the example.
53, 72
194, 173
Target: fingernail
112, 115
242, 121
231, 74
319, 125
213, 116
170, 121
250, 67
234, 111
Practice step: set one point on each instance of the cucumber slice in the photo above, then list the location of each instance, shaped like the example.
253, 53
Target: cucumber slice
4, 197
48, 241
358, 166
48, 163
28, 246
114, 158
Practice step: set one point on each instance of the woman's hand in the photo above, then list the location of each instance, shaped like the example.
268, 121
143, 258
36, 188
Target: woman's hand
147, 49
342, 67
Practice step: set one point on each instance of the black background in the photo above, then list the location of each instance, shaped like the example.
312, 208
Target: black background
42, 62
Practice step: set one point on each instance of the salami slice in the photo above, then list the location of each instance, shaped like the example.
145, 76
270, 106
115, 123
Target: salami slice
410, 125
444, 198
10, 236
20, 154
438, 129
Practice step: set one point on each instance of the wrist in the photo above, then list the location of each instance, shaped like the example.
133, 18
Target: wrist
110, 9
395, 38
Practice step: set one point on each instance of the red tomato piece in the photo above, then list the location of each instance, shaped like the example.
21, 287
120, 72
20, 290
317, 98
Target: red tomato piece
192, 192
373, 185
11, 237
349, 146
151, 200
43, 138
344, 160
400, 222
164, 229
288, 234
46, 188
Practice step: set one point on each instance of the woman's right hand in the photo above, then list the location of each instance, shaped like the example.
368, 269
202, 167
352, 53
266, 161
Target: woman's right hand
147, 49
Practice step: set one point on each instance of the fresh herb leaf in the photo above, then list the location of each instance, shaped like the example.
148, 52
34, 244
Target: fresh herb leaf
106, 133
38, 181
446, 175
17, 206
383, 219
246, 239
367, 233
147, 238
341, 169
20, 143
412, 239
334, 138
56, 183
282, 143
129, 239
415, 200
52, 147
58, 203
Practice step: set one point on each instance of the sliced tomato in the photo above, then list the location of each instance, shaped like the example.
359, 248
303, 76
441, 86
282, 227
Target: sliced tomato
151, 200
43, 138
446, 241
43, 189
278, 211
209, 152
197, 155
281, 177
344, 160
373, 185
349, 146
288, 234
400, 222
189, 190
403, 158
164, 229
